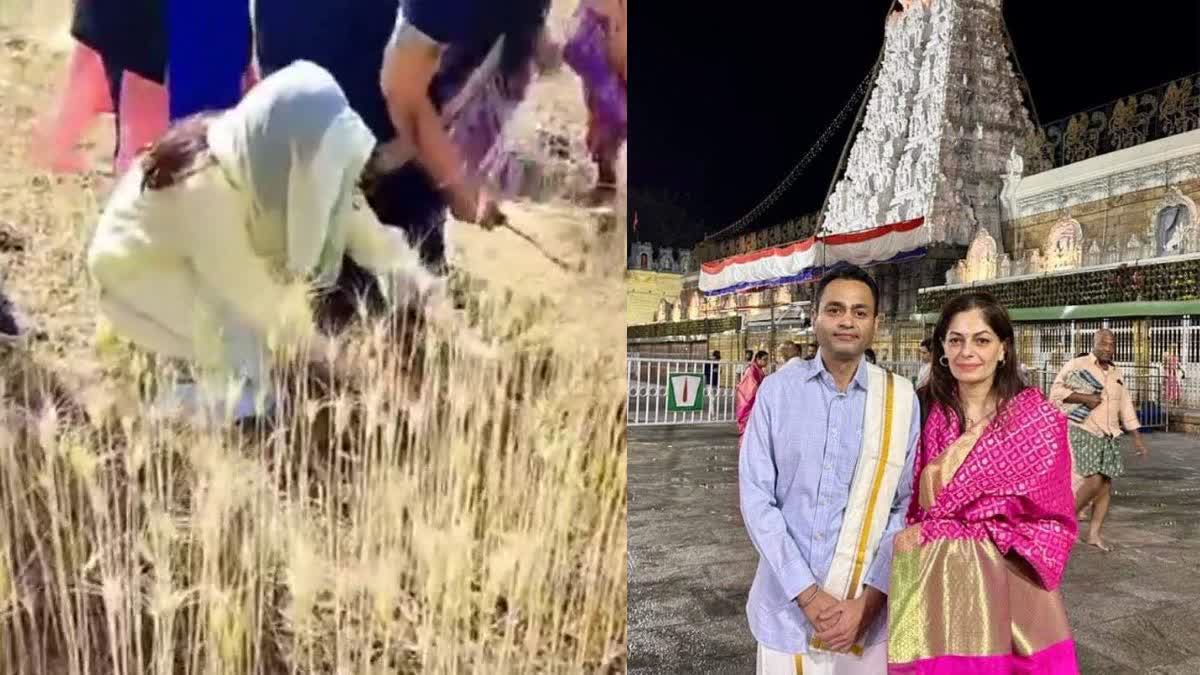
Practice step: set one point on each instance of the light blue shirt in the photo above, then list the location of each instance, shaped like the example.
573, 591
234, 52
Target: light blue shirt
797, 461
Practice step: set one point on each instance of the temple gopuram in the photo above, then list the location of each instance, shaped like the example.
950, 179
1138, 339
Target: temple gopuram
1082, 223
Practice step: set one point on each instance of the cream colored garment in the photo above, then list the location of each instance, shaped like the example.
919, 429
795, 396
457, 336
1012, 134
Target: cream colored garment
211, 269
295, 148
872, 662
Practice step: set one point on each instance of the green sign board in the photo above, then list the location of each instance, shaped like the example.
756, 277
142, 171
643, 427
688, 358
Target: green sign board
685, 392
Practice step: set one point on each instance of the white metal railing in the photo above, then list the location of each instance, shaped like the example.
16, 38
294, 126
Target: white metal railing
1155, 392
648, 388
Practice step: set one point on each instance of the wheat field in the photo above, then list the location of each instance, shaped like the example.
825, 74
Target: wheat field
461, 508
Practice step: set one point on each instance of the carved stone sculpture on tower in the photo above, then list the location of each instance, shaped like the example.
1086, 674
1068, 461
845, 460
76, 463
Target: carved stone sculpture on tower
981, 257
1014, 170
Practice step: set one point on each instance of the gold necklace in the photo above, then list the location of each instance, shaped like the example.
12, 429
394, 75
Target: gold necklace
971, 422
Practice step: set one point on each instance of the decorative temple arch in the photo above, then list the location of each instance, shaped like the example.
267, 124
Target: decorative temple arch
1064, 245
1174, 224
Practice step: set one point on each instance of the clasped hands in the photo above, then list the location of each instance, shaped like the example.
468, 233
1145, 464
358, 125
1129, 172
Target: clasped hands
839, 623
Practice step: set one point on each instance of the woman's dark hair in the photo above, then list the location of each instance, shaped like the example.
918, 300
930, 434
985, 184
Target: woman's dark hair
761, 355
173, 157
372, 172
942, 388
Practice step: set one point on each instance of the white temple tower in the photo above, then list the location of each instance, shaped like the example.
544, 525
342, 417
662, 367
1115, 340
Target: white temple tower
944, 114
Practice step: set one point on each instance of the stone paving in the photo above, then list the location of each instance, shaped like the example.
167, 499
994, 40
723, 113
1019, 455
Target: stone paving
1133, 610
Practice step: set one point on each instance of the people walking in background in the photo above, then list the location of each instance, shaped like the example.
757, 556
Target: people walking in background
926, 355
1095, 432
975, 576
790, 351
1172, 374
712, 371
812, 351
740, 369
824, 483
869, 355
747, 390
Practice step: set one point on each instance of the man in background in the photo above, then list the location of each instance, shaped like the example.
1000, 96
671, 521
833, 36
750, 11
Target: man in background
812, 351
790, 352
1095, 435
926, 352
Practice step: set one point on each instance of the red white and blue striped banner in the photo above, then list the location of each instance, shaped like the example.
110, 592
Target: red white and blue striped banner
805, 260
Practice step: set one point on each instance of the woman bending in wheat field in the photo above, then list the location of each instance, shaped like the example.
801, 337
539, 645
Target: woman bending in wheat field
209, 245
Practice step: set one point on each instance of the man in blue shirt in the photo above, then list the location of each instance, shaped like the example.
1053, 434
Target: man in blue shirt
825, 479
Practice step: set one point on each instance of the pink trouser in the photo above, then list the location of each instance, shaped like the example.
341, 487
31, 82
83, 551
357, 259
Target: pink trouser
85, 95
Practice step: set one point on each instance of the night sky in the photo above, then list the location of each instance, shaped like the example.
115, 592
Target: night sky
709, 136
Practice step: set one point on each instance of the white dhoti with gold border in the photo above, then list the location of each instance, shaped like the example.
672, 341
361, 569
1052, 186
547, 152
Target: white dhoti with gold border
872, 662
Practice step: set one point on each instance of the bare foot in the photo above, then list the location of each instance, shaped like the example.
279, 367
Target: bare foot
1095, 540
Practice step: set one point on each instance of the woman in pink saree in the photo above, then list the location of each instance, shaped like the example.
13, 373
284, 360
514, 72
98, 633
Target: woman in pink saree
1172, 392
747, 389
975, 576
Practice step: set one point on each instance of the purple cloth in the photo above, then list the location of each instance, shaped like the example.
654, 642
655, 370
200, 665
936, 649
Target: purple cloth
607, 99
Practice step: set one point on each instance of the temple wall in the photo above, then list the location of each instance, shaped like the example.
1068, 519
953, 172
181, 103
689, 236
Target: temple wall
1113, 196
645, 290
1110, 221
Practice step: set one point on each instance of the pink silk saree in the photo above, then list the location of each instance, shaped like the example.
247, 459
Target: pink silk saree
747, 390
975, 576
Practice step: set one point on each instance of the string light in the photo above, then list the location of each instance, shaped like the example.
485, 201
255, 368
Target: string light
801, 165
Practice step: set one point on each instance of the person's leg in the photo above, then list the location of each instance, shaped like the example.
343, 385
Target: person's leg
1088, 491
114, 74
144, 117
84, 96
154, 312
1099, 511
